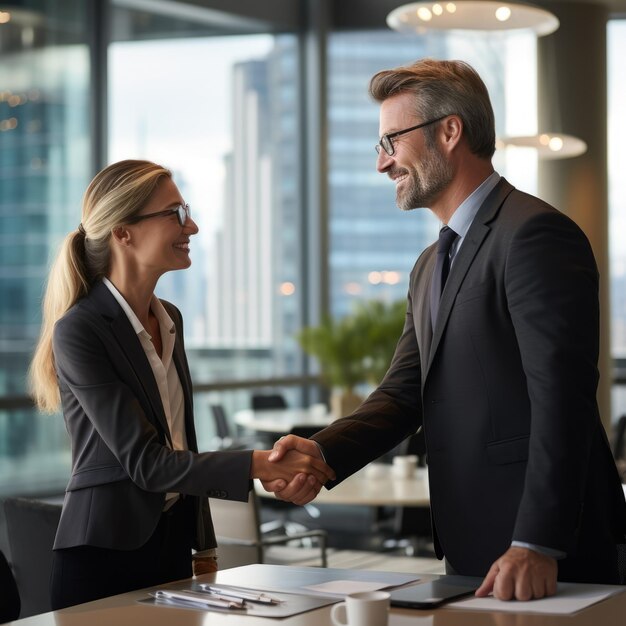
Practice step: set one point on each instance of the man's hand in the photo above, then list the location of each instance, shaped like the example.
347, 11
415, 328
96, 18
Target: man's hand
292, 442
520, 574
302, 488
277, 469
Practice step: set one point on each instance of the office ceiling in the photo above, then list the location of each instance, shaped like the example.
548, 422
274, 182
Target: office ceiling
615, 6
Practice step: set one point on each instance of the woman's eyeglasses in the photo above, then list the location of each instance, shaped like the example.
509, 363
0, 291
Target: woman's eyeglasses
183, 213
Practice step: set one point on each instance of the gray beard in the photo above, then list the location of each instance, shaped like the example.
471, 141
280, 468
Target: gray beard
423, 189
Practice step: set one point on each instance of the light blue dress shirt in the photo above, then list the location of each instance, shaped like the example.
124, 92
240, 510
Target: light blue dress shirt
463, 217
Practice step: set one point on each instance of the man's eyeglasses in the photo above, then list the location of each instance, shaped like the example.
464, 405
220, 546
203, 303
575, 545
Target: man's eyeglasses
386, 141
183, 213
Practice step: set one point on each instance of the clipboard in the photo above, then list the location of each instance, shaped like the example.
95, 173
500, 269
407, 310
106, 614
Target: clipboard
290, 604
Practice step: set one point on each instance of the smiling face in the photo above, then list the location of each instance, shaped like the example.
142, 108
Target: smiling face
160, 244
418, 167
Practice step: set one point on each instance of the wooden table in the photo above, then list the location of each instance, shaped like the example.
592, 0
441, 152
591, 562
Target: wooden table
124, 610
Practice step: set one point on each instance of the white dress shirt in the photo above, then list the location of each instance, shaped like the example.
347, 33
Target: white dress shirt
163, 368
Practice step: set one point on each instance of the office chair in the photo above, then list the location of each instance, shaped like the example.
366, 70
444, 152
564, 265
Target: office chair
619, 438
9, 595
225, 439
409, 531
242, 540
305, 431
262, 402
410, 528
31, 527
221, 423
618, 446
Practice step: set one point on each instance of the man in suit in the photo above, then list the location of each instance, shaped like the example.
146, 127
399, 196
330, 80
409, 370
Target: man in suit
497, 360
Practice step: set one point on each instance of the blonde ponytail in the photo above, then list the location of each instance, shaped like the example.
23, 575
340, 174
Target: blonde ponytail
67, 282
115, 194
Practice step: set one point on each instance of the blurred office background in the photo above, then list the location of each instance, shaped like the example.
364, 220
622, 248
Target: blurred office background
261, 111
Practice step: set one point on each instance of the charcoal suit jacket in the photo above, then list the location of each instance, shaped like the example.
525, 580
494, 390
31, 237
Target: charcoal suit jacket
122, 461
505, 389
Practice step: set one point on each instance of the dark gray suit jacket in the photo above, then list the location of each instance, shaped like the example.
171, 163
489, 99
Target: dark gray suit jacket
121, 465
505, 389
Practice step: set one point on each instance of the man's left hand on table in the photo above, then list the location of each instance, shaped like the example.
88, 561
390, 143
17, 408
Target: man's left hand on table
520, 574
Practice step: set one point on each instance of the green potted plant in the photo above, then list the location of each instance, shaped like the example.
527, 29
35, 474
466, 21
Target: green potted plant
381, 324
355, 349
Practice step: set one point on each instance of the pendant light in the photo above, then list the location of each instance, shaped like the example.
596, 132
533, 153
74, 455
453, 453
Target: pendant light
492, 15
549, 145
556, 143
485, 15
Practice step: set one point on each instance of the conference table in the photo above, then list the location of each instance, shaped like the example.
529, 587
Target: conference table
282, 421
129, 610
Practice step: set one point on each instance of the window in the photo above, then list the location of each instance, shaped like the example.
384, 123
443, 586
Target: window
373, 245
220, 109
616, 36
215, 101
44, 168
218, 102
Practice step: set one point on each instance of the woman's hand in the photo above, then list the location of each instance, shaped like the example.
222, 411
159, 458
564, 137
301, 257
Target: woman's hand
291, 463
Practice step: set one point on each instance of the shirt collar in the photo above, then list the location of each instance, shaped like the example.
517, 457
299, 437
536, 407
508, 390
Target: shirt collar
165, 321
463, 217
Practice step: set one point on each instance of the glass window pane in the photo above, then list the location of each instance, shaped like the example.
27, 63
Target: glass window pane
373, 245
617, 205
617, 187
34, 453
221, 111
44, 168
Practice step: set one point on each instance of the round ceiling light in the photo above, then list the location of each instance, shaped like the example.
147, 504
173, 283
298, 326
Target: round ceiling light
549, 145
486, 15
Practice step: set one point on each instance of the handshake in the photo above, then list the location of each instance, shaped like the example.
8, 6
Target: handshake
294, 469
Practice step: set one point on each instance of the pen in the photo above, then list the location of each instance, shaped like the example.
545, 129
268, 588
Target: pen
242, 595
195, 598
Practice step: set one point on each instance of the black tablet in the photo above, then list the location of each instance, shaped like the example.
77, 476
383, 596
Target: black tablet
431, 594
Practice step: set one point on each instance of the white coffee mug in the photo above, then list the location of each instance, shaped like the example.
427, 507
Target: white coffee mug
403, 466
318, 409
367, 608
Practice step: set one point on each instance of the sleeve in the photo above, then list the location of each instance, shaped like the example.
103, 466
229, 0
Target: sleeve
390, 414
555, 554
552, 290
97, 395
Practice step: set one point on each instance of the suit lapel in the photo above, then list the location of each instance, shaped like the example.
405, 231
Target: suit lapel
471, 244
129, 343
422, 305
185, 381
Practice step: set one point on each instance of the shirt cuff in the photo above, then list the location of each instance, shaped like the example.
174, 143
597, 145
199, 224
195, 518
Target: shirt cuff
205, 553
555, 554
319, 447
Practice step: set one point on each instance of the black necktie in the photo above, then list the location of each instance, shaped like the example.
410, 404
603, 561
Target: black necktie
442, 268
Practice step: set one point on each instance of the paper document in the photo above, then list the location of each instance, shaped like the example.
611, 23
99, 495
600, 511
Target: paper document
569, 598
285, 578
344, 587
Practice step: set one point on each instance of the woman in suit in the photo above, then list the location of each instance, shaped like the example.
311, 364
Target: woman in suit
112, 355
